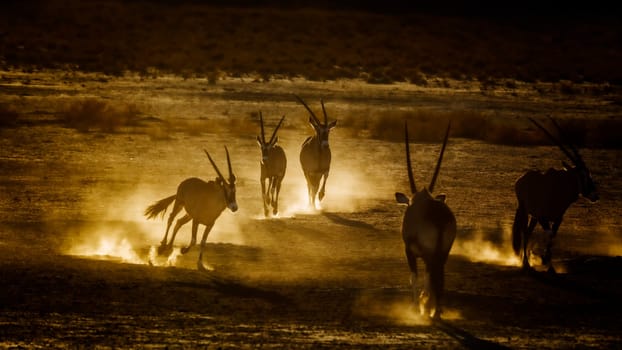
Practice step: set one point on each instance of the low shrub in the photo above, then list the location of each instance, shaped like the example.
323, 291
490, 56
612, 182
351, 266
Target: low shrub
97, 114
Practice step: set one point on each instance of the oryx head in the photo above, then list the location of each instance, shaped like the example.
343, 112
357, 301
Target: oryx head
587, 188
227, 186
321, 129
261, 139
424, 193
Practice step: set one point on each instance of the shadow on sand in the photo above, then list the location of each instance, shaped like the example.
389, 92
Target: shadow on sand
594, 277
465, 338
340, 220
233, 288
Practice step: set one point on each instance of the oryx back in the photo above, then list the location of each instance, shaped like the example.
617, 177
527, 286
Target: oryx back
429, 228
313, 158
203, 201
547, 195
276, 164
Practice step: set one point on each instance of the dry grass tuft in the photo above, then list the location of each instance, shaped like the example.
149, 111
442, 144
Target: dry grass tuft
429, 126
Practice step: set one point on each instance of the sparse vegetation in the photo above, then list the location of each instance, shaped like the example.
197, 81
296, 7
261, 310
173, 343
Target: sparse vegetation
192, 38
97, 114
429, 125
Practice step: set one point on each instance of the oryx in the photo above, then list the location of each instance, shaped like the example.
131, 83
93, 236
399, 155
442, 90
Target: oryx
428, 231
273, 165
315, 155
545, 197
203, 202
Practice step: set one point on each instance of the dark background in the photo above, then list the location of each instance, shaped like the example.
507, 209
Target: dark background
379, 41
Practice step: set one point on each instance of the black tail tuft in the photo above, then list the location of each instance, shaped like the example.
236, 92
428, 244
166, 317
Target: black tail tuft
159, 207
519, 226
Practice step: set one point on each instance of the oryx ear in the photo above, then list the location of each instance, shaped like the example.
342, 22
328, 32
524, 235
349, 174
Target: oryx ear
259, 140
332, 124
312, 122
401, 198
441, 198
566, 166
276, 139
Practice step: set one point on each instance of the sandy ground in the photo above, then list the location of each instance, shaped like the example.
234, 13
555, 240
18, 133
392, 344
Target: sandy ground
75, 246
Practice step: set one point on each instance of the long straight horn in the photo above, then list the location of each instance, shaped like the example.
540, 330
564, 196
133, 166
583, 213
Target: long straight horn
231, 176
276, 129
324, 110
563, 135
215, 167
411, 179
317, 121
555, 140
263, 135
440, 158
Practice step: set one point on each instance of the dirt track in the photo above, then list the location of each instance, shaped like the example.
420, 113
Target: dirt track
333, 279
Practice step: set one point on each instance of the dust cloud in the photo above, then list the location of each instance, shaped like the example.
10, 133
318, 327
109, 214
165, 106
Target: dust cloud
477, 248
399, 312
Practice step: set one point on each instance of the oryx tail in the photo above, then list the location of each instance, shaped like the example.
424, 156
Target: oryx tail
159, 207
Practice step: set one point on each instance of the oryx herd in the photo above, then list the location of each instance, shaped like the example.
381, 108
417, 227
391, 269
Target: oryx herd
428, 226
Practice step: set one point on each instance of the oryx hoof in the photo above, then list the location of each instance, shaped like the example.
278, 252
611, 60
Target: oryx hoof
266, 213
526, 267
204, 267
165, 249
184, 250
275, 211
320, 196
436, 315
551, 270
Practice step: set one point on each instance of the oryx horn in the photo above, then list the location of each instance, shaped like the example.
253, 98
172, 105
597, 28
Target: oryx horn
263, 135
275, 130
324, 110
440, 158
563, 135
231, 176
214, 165
555, 140
317, 121
411, 179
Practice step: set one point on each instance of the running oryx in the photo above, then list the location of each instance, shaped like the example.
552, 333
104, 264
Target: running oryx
203, 202
545, 197
273, 165
428, 231
315, 155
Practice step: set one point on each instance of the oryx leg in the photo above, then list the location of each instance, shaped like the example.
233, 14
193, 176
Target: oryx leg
311, 189
200, 264
548, 253
412, 265
270, 193
323, 189
264, 197
176, 208
180, 222
437, 285
526, 234
193, 240
275, 200
164, 248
